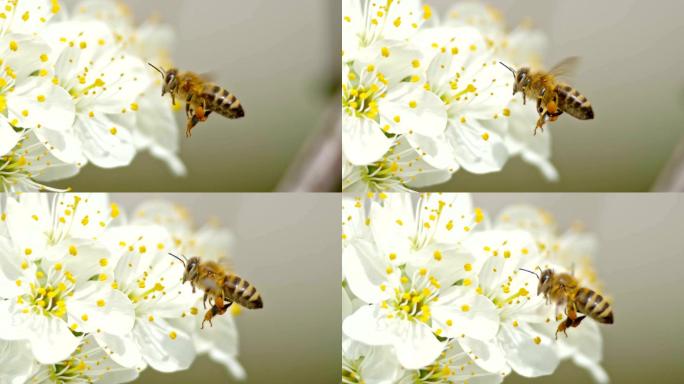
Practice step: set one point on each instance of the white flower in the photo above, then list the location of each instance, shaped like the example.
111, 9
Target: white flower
88, 364
462, 71
29, 164
211, 242
573, 251
52, 279
366, 364
104, 83
401, 169
524, 341
376, 102
430, 289
453, 366
155, 127
409, 280
150, 280
26, 17
364, 22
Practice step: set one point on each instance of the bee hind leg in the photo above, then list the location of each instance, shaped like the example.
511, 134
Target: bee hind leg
213, 311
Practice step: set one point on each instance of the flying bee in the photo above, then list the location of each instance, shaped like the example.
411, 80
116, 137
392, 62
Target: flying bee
553, 97
219, 285
201, 97
563, 289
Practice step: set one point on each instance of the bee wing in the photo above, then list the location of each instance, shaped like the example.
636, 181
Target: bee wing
565, 67
226, 263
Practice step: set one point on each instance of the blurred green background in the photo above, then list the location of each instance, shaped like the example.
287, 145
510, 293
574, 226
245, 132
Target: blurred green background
278, 57
632, 73
640, 261
288, 245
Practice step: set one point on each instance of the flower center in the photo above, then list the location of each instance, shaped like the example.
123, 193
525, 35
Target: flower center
360, 101
412, 299
48, 293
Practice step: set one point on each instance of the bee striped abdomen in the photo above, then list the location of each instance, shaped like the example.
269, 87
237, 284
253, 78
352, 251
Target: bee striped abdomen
242, 292
594, 305
574, 103
222, 102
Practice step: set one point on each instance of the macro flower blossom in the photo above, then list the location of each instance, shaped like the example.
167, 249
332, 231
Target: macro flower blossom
212, 242
71, 87
433, 291
88, 294
450, 99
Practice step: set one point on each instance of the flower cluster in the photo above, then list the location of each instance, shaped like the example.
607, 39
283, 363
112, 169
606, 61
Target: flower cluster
87, 294
75, 89
432, 292
422, 99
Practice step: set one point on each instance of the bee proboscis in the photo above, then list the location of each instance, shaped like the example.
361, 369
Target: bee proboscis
219, 285
563, 289
553, 97
202, 97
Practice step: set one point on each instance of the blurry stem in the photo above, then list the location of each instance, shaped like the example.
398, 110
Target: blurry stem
671, 178
318, 166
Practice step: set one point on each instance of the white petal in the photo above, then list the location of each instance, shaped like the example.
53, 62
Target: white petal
487, 354
8, 136
105, 143
51, 339
54, 115
116, 315
428, 116
472, 314
123, 349
363, 326
365, 271
17, 362
472, 151
160, 350
10, 271
524, 355
362, 140
380, 366
393, 225
25, 230
417, 347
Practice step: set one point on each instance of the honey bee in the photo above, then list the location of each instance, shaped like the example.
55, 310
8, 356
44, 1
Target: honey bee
201, 97
563, 289
553, 97
220, 286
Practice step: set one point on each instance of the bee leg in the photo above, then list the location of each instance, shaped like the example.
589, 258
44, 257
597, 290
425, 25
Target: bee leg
563, 326
204, 300
207, 316
191, 124
188, 110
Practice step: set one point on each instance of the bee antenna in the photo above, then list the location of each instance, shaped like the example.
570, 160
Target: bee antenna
158, 70
523, 269
181, 260
507, 67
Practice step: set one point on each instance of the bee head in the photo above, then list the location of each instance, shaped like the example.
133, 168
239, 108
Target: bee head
170, 81
170, 78
521, 76
190, 266
544, 280
191, 269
